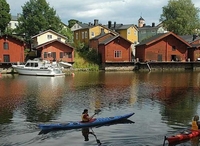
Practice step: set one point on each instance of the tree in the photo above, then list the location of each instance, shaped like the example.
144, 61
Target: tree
5, 16
71, 22
180, 17
37, 16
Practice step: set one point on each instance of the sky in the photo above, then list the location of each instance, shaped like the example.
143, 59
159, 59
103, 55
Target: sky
119, 11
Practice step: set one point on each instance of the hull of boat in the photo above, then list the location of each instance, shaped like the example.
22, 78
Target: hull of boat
183, 136
38, 71
76, 125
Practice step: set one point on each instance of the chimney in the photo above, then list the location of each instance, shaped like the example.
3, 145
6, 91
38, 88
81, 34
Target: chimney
109, 24
153, 24
114, 25
194, 37
102, 31
95, 22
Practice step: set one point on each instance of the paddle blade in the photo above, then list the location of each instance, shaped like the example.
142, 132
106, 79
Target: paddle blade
97, 111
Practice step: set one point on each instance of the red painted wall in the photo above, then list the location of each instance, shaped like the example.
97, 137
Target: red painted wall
119, 44
15, 51
163, 48
57, 47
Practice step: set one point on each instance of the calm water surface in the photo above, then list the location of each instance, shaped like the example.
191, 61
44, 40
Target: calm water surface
164, 104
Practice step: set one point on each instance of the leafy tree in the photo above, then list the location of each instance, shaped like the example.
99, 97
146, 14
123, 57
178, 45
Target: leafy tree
5, 16
68, 33
180, 17
37, 16
71, 22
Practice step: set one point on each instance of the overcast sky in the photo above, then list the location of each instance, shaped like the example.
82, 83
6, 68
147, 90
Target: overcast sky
119, 11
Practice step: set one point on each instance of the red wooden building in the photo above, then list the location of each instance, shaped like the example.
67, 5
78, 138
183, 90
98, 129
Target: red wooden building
11, 49
163, 47
56, 50
194, 52
112, 48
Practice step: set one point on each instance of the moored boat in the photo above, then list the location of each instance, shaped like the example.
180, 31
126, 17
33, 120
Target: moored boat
79, 124
39, 67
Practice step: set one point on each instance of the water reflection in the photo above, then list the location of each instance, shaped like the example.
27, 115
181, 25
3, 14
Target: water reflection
37, 97
164, 102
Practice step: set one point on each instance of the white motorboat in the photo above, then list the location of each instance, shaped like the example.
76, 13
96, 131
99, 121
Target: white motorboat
39, 67
65, 64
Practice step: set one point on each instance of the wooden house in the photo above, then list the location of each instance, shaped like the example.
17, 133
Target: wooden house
11, 49
83, 35
56, 50
194, 51
163, 47
128, 31
112, 48
47, 36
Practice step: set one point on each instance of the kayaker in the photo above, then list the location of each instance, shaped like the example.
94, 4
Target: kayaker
85, 116
195, 123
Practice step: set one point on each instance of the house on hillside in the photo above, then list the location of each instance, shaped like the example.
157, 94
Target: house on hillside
163, 47
113, 49
128, 31
194, 51
47, 36
147, 31
11, 50
13, 22
55, 50
83, 35
79, 25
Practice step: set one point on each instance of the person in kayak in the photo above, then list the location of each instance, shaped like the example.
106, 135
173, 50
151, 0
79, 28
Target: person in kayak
195, 123
85, 116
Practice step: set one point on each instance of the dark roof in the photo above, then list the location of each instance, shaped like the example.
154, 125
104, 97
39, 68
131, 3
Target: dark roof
160, 36
13, 37
190, 38
107, 40
120, 26
141, 18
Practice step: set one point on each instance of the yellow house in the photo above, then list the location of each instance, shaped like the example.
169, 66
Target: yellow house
128, 31
47, 36
83, 35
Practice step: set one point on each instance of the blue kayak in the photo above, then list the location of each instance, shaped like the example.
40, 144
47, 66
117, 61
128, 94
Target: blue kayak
79, 124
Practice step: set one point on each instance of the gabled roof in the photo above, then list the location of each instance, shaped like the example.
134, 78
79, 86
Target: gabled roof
52, 41
49, 31
160, 36
190, 38
13, 37
121, 26
111, 38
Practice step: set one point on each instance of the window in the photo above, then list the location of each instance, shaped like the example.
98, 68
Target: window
83, 35
129, 32
173, 48
6, 58
59, 38
77, 36
49, 37
5, 45
61, 54
67, 54
86, 34
118, 54
53, 54
92, 34
45, 54
143, 31
153, 31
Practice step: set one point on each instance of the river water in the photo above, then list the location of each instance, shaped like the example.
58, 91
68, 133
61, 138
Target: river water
163, 102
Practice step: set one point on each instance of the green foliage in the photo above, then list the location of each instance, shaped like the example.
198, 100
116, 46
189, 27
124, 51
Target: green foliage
71, 22
37, 16
4, 15
68, 33
180, 17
